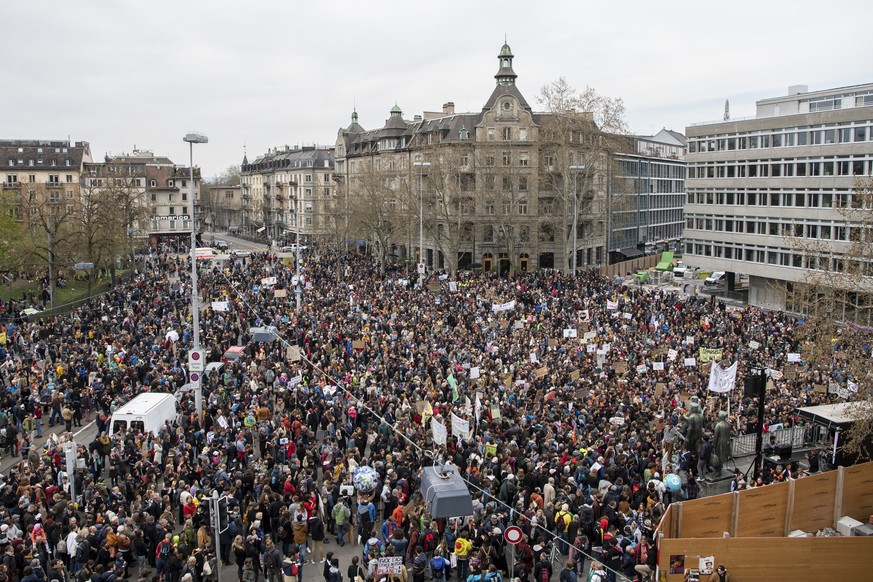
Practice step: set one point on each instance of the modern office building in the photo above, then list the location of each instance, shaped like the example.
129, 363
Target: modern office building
761, 190
647, 195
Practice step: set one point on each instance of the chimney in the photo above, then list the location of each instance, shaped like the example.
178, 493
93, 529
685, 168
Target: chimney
449, 108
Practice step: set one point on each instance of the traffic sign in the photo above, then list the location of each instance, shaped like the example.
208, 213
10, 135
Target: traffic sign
196, 361
512, 535
195, 377
421, 268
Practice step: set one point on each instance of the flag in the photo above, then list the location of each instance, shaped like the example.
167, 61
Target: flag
722, 379
454, 384
426, 413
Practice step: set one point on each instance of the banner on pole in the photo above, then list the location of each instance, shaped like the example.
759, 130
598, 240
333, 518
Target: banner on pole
722, 379
499, 307
438, 429
460, 427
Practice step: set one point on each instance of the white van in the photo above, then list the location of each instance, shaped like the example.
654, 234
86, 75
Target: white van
146, 413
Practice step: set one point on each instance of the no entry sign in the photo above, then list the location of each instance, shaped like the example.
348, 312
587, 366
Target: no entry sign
512, 535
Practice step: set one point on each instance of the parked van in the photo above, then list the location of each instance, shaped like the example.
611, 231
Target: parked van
205, 253
716, 278
146, 413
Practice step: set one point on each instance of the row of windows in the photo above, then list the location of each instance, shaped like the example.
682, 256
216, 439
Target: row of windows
808, 229
38, 162
829, 166
774, 256
772, 197
31, 179
649, 169
791, 137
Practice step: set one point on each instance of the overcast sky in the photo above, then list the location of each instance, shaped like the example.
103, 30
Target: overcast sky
257, 73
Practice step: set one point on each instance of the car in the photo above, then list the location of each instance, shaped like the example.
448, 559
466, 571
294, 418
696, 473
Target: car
221, 245
239, 254
716, 278
292, 248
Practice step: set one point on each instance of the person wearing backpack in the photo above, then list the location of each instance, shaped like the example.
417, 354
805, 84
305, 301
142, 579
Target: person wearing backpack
568, 574
340, 515
162, 554
419, 565
440, 567
543, 569
597, 573
272, 562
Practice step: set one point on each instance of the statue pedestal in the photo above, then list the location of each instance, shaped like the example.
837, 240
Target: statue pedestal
713, 477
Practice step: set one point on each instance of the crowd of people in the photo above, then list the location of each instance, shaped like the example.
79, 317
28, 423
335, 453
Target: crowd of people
571, 398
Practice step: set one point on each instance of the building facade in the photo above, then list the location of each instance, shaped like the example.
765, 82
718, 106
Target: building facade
647, 195
53, 165
152, 193
496, 188
288, 190
760, 190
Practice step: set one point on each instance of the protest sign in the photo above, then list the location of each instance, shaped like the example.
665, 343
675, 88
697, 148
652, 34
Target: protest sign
710, 354
542, 372
690, 362
389, 565
438, 430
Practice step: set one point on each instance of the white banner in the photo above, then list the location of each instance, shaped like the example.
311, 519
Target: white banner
292, 382
570, 332
220, 306
498, 307
438, 429
460, 427
267, 281
611, 305
722, 379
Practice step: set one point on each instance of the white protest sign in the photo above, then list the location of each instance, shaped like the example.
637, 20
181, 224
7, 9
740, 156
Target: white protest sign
439, 432
292, 382
220, 306
474, 372
390, 565
267, 281
591, 348
671, 355
453, 286
641, 369
658, 366
460, 427
794, 358
498, 307
690, 362
590, 335
570, 332
754, 345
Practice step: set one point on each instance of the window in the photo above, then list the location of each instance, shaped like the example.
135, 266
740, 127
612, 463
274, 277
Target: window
489, 207
54, 179
153, 183
507, 133
31, 178
522, 183
489, 160
69, 178
307, 178
507, 158
490, 132
507, 183
549, 160
154, 197
488, 233
522, 207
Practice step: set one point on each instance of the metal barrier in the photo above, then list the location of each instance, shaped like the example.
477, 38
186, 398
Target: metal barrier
744, 445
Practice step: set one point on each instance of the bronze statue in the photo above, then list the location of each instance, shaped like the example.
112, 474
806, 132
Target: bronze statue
721, 449
694, 429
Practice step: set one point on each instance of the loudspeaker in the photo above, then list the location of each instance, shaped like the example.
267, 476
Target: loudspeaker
752, 386
784, 451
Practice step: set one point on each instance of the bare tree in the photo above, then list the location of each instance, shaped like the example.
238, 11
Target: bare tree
580, 133
836, 300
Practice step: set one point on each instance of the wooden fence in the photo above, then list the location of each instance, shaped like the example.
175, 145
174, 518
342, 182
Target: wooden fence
632, 266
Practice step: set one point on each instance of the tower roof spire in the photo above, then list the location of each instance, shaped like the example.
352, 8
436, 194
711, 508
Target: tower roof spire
505, 75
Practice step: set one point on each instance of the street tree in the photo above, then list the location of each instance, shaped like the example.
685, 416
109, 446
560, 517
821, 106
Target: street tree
580, 132
835, 298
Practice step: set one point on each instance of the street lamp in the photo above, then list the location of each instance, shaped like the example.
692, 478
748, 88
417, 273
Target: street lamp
193, 138
421, 168
575, 170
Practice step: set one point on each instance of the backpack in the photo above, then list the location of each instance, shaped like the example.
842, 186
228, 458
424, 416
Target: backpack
544, 574
430, 541
165, 549
596, 576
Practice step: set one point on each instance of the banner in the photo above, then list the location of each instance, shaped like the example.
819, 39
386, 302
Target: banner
460, 427
292, 382
498, 307
220, 306
570, 332
722, 379
710, 355
611, 305
438, 429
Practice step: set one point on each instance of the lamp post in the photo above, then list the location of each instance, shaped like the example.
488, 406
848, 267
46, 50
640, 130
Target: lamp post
193, 138
575, 170
421, 167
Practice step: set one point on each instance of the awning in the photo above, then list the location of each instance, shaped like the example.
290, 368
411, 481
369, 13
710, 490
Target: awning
631, 253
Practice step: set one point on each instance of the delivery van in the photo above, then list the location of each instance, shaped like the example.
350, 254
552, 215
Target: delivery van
147, 413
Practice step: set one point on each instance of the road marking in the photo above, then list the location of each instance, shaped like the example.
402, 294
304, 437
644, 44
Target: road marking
83, 429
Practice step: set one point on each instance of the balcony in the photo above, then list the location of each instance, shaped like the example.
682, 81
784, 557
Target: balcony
54, 185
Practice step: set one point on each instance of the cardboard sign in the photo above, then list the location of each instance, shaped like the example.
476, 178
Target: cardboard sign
659, 388
293, 354
390, 565
542, 371
589, 335
620, 367
553, 342
820, 388
358, 345
574, 375
279, 293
